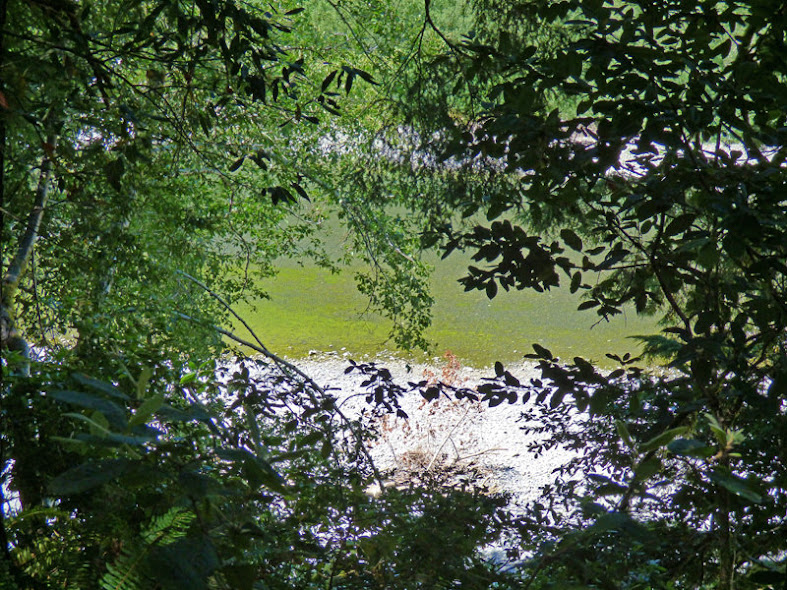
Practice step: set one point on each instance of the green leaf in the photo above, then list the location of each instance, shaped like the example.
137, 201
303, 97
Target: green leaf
254, 428
149, 407
716, 428
310, 439
257, 470
647, 469
143, 380
188, 378
87, 476
99, 385
709, 255
194, 411
690, 448
663, 438
100, 435
623, 433
111, 411
75, 442
99, 419
736, 485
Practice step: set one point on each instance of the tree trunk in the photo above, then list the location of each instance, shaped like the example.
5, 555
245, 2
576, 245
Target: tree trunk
726, 552
9, 338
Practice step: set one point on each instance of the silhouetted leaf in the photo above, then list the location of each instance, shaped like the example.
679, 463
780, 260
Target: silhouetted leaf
237, 164
571, 239
491, 289
542, 352
680, 224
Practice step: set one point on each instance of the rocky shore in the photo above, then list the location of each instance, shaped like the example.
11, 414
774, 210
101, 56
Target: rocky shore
445, 438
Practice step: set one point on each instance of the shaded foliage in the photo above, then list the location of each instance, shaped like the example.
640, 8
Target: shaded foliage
632, 151
656, 186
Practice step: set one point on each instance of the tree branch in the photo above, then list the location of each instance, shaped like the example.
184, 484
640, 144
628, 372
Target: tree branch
654, 264
25, 249
285, 365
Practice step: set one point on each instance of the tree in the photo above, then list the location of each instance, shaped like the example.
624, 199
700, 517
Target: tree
150, 157
117, 187
639, 157
634, 151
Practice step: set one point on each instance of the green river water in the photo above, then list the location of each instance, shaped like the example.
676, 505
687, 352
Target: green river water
311, 309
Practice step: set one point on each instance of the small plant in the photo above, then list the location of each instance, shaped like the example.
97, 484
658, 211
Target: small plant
449, 373
431, 443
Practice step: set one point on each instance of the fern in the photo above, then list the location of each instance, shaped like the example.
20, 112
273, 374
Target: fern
127, 571
56, 555
131, 570
82, 575
168, 527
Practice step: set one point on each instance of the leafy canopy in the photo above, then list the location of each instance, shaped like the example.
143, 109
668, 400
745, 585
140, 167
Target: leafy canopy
630, 150
639, 158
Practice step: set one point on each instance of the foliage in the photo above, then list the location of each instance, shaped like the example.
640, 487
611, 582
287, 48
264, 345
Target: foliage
150, 149
630, 150
662, 189
259, 484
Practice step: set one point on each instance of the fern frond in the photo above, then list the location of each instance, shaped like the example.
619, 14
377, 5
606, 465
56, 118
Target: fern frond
168, 527
126, 573
131, 570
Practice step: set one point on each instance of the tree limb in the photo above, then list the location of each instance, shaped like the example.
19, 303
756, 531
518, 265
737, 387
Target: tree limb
286, 366
9, 338
25, 249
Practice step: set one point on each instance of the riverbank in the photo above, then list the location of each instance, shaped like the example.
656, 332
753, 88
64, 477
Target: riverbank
446, 438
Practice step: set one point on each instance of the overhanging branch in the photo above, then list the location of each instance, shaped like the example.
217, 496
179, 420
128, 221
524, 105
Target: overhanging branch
287, 367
